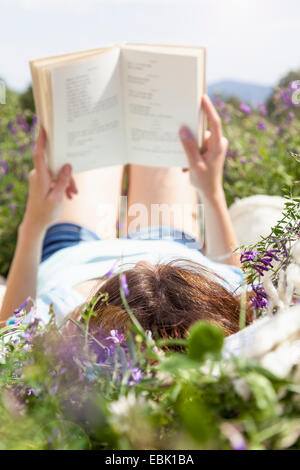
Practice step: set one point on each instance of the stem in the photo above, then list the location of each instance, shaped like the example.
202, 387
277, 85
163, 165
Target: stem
242, 319
133, 318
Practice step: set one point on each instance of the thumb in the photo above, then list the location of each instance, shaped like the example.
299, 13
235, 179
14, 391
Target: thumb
61, 183
190, 146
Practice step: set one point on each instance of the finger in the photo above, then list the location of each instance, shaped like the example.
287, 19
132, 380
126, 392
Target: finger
205, 143
68, 192
190, 146
38, 155
61, 183
213, 118
207, 135
73, 186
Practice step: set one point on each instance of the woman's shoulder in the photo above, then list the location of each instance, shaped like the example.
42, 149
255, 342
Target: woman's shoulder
62, 301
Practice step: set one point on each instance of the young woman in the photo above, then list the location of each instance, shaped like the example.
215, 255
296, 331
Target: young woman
78, 247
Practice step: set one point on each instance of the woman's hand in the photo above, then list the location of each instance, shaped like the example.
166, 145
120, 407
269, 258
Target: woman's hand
206, 174
206, 166
43, 208
45, 193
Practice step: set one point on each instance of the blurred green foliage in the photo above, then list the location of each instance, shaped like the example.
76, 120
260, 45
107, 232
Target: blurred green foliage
55, 393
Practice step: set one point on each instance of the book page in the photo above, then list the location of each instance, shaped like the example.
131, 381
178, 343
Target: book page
88, 127
162, 92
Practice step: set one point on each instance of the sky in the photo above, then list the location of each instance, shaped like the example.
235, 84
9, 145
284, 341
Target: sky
247, 40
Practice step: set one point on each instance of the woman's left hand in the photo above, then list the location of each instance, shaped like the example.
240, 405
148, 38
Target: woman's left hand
46, 193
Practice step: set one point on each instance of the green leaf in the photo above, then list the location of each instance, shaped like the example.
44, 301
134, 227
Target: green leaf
263, 392
176, 363
197, 419
205, 339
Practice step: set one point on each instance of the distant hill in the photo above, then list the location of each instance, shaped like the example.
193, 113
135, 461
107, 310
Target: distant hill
250, 92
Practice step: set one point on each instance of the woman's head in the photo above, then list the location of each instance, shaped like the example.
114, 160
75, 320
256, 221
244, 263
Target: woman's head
166, 299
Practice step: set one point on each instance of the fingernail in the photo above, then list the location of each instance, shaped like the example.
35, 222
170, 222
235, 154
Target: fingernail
186, 134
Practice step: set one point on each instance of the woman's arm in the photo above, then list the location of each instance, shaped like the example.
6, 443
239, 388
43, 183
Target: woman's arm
43, 208
206, 174
21, 282
220, 238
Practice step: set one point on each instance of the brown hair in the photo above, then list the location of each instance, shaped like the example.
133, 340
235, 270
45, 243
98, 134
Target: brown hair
167, 299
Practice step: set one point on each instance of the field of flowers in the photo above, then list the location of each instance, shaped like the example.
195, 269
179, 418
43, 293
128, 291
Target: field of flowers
258, 159
60, 388
17, 137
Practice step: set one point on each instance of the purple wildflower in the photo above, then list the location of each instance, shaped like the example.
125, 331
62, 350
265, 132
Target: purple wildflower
281, 130
11, 129
266, 261
290, 117
3, 167
22, 307
22, 149
112, 270
233, 154
234, 436
271, 254
248, 256
34, 120
12, 207
285, 96
136, 374
32, 391
116, 337
109, 352
262, 109
9, 187
260, 300
241, 446
124, 285
261, 126
150, 336
218, 103
294, 86
262, 264
30, 331
54, 388
260, 269
245, 108
23, 124
227, 117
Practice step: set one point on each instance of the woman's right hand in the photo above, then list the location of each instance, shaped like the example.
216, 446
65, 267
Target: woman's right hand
206, 166
45, 192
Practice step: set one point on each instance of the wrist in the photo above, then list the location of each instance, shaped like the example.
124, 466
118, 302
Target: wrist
214, 196
31, 227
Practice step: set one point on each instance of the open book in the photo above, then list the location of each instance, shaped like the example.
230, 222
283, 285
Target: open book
120, 104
